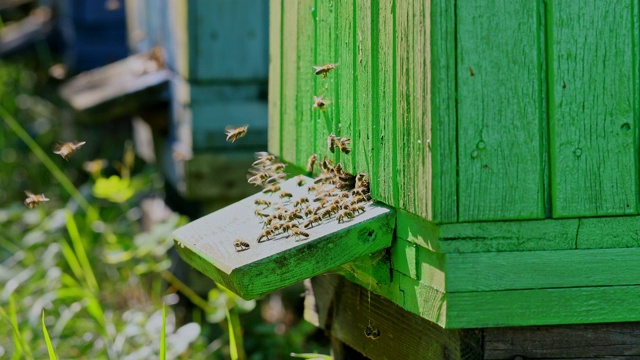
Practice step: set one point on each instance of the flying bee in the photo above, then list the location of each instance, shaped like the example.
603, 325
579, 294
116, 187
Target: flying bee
265, 235
258, 178
262, 202
271, 189
302, 200
32, 200
325, 165
345, 215
234, 134
324, 69
311, 163
343, 145
276, 178
319, 103
286, 195
275, 167
300, 181
331, 143
263, 158
338, 170
241, 245
297, 233
315, 219
259, 213
65, 150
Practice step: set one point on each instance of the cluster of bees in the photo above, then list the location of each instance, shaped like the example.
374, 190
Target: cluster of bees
65, 150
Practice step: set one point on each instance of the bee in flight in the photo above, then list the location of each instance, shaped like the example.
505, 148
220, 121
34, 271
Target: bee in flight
319, 103
234, 134
311, 163
65, 150
32, 200
324, 69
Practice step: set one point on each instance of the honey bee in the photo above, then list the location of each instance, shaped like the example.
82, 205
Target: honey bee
329, 211
271, 189
331, 143
308, 211
65, 150
241, 245
262, 202
32, 200
297, 233
345, 214
319, 103
357, 208
324, 69
344, 195
302, 200
258, 178
313, 188
295, 215
315, 219
263, 158
343, 145
285, 194
276, 178
359, 199
265, 235
259, 213
360, 180
300, 181
325, 165
323, 179
234, 134
311, 163
275, 167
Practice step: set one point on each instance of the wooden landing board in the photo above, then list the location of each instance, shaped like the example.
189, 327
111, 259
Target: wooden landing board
118, 89
208, 244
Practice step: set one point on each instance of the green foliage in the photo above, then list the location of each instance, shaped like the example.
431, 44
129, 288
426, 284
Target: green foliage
52, 353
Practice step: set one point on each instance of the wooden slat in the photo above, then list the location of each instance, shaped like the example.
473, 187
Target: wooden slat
609, 232
541, 269
593, 106
305, 78
364, 142
499, 111
275, 73
326, 121
443, 112
343, 79
289, 119
404, 258
580, 305
385, 186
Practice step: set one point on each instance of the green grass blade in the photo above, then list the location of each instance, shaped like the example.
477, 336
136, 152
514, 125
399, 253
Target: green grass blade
163, 334
22, 348
311, 356
81, 254
71, 259
47, 339
233, 347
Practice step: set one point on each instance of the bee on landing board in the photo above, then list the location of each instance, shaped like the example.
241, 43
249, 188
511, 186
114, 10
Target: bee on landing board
67, 149
324, 69
234, 134
32, 200
241, 245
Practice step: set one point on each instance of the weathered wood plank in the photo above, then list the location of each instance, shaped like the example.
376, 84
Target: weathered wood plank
443, 142
541, 269
288, 120
499, 118
343, 77
364, 143
347, 309
593, 341
543, 307
404, 258
306, 82
275, 75
208, 245
593, 105
609, 232
383, 83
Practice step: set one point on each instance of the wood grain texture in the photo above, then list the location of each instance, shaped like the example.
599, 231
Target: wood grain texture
499, 110
275, 75
344, 79
306, 82
404, 258
593, 107
443, 141
594, 341
609, 232
541, 269
580, 305
383, 83
288, 119
207, 244
362, 132
346, 311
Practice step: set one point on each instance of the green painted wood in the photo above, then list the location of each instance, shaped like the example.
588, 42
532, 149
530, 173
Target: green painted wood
609, 232
207, 244
343, 78
404, 258
417, 230
499, 110
531, 235
362, 132
580, 305
443, 141
593, 107
306, 82
326, 53
383, 83
372, 269
288, 119
431, 267
275, 73
421, 299
541, 269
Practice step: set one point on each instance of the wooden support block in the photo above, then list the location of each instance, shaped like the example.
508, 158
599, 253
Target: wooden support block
118, 89
403, 258
280, 260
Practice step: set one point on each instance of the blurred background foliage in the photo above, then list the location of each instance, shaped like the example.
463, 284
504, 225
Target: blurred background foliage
101, 268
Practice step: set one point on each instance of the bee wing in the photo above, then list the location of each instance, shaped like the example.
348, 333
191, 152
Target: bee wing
78, 144
29, 193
